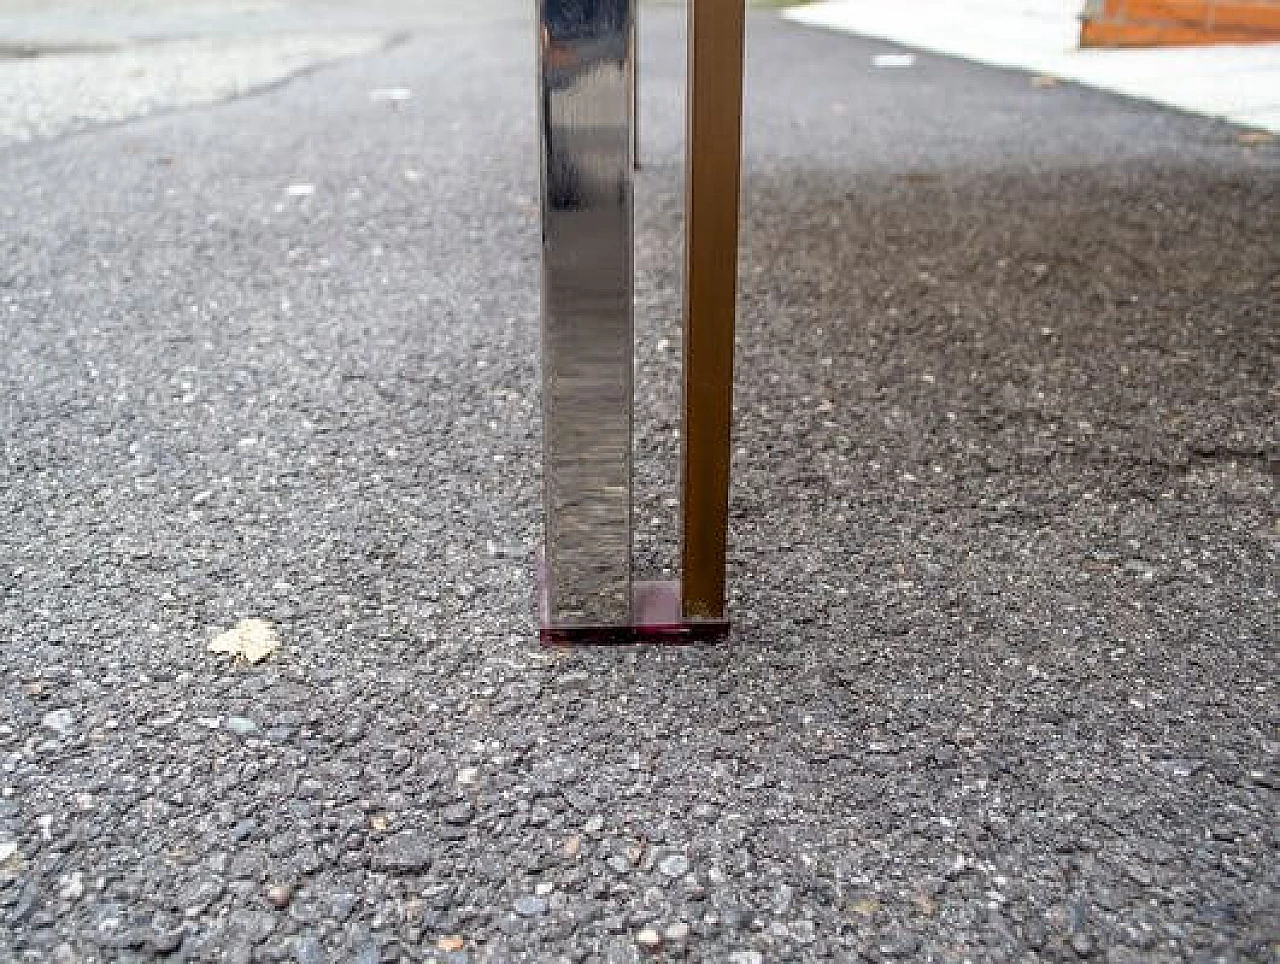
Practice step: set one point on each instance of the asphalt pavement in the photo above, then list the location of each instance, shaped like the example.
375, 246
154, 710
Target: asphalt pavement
1002, 679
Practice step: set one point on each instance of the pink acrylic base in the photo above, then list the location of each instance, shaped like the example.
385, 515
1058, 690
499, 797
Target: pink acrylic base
655, 618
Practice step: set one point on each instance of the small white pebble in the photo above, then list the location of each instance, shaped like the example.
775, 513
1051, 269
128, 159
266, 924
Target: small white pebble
61, 722
390, 95
72, 886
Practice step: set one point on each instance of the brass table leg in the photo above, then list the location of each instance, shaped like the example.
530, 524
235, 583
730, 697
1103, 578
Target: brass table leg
713, 169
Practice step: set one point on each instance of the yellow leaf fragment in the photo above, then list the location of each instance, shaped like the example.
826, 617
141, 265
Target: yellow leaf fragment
250, 639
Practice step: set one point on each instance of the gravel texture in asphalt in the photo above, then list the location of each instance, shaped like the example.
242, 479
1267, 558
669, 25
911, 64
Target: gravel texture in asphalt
50, 90
1002, 679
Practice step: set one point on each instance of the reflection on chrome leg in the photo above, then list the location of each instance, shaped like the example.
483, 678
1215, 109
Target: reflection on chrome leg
585, 97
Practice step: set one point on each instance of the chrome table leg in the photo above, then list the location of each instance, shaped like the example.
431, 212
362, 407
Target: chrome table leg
635, 86
585, 66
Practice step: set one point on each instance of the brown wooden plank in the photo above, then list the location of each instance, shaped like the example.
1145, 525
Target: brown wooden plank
1209, 14
713, 174
1155, 23
1120, 33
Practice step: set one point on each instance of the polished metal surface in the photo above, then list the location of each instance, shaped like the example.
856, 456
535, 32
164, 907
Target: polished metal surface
585, 67
635, 86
